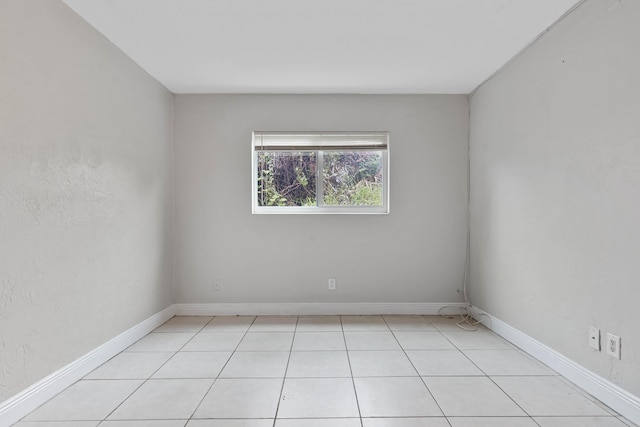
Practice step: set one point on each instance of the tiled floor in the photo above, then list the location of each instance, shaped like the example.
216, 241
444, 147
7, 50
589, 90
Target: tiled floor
331, 371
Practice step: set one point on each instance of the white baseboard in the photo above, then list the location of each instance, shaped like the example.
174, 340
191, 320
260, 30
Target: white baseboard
16, 407
618, 399
229, 309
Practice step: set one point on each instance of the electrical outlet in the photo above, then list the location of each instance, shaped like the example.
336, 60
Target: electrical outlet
594, 338
613, 346
332, 284
217, 286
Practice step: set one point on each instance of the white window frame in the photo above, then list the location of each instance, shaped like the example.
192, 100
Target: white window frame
319, 142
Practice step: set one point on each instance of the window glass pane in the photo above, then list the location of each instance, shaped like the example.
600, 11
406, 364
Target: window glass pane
352, 178
286, 178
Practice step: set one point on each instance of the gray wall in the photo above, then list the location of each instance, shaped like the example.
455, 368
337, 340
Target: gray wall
414, 254
85, 191
555, 188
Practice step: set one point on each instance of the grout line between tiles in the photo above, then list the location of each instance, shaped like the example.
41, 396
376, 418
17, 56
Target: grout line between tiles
417, 372
286, 369
152, 374
221, 369
353, 381
487, 376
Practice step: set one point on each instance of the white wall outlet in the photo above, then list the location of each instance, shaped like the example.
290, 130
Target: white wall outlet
594, 338
217, 286
332, 284
613, 346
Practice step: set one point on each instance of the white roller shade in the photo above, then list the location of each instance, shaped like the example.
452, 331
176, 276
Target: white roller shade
326, 141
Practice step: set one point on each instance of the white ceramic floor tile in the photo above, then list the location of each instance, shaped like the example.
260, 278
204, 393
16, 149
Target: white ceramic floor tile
371, 341
385, 363
507, 362
130, 366
256, 364
214, 341
144, 423
318, 398
579, 422
231, 423
476, 340
492, 422
586, 395
318, 390
274, 324
266, 341
548, 396
395, 397
316, 364
409, 323
186, 364
306, 341
163, 399
447, 363
363, 323
85, 400
241, 398
471, 396
319, 422
229, 324
57, 424
319, 324
184, 324
165, 341
405, 422
418, 340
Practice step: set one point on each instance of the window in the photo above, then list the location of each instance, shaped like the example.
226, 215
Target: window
320, 172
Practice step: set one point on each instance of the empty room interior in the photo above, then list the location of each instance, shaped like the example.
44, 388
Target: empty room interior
456, 242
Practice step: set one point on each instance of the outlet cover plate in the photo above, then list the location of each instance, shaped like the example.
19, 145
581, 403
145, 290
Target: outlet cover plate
332, 284
613, 346
594, 338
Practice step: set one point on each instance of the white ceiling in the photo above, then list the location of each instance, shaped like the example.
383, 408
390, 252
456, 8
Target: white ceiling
321, 46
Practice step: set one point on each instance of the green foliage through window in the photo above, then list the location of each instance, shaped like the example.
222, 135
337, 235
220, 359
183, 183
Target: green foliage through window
352, 178
303, 172
286, 178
